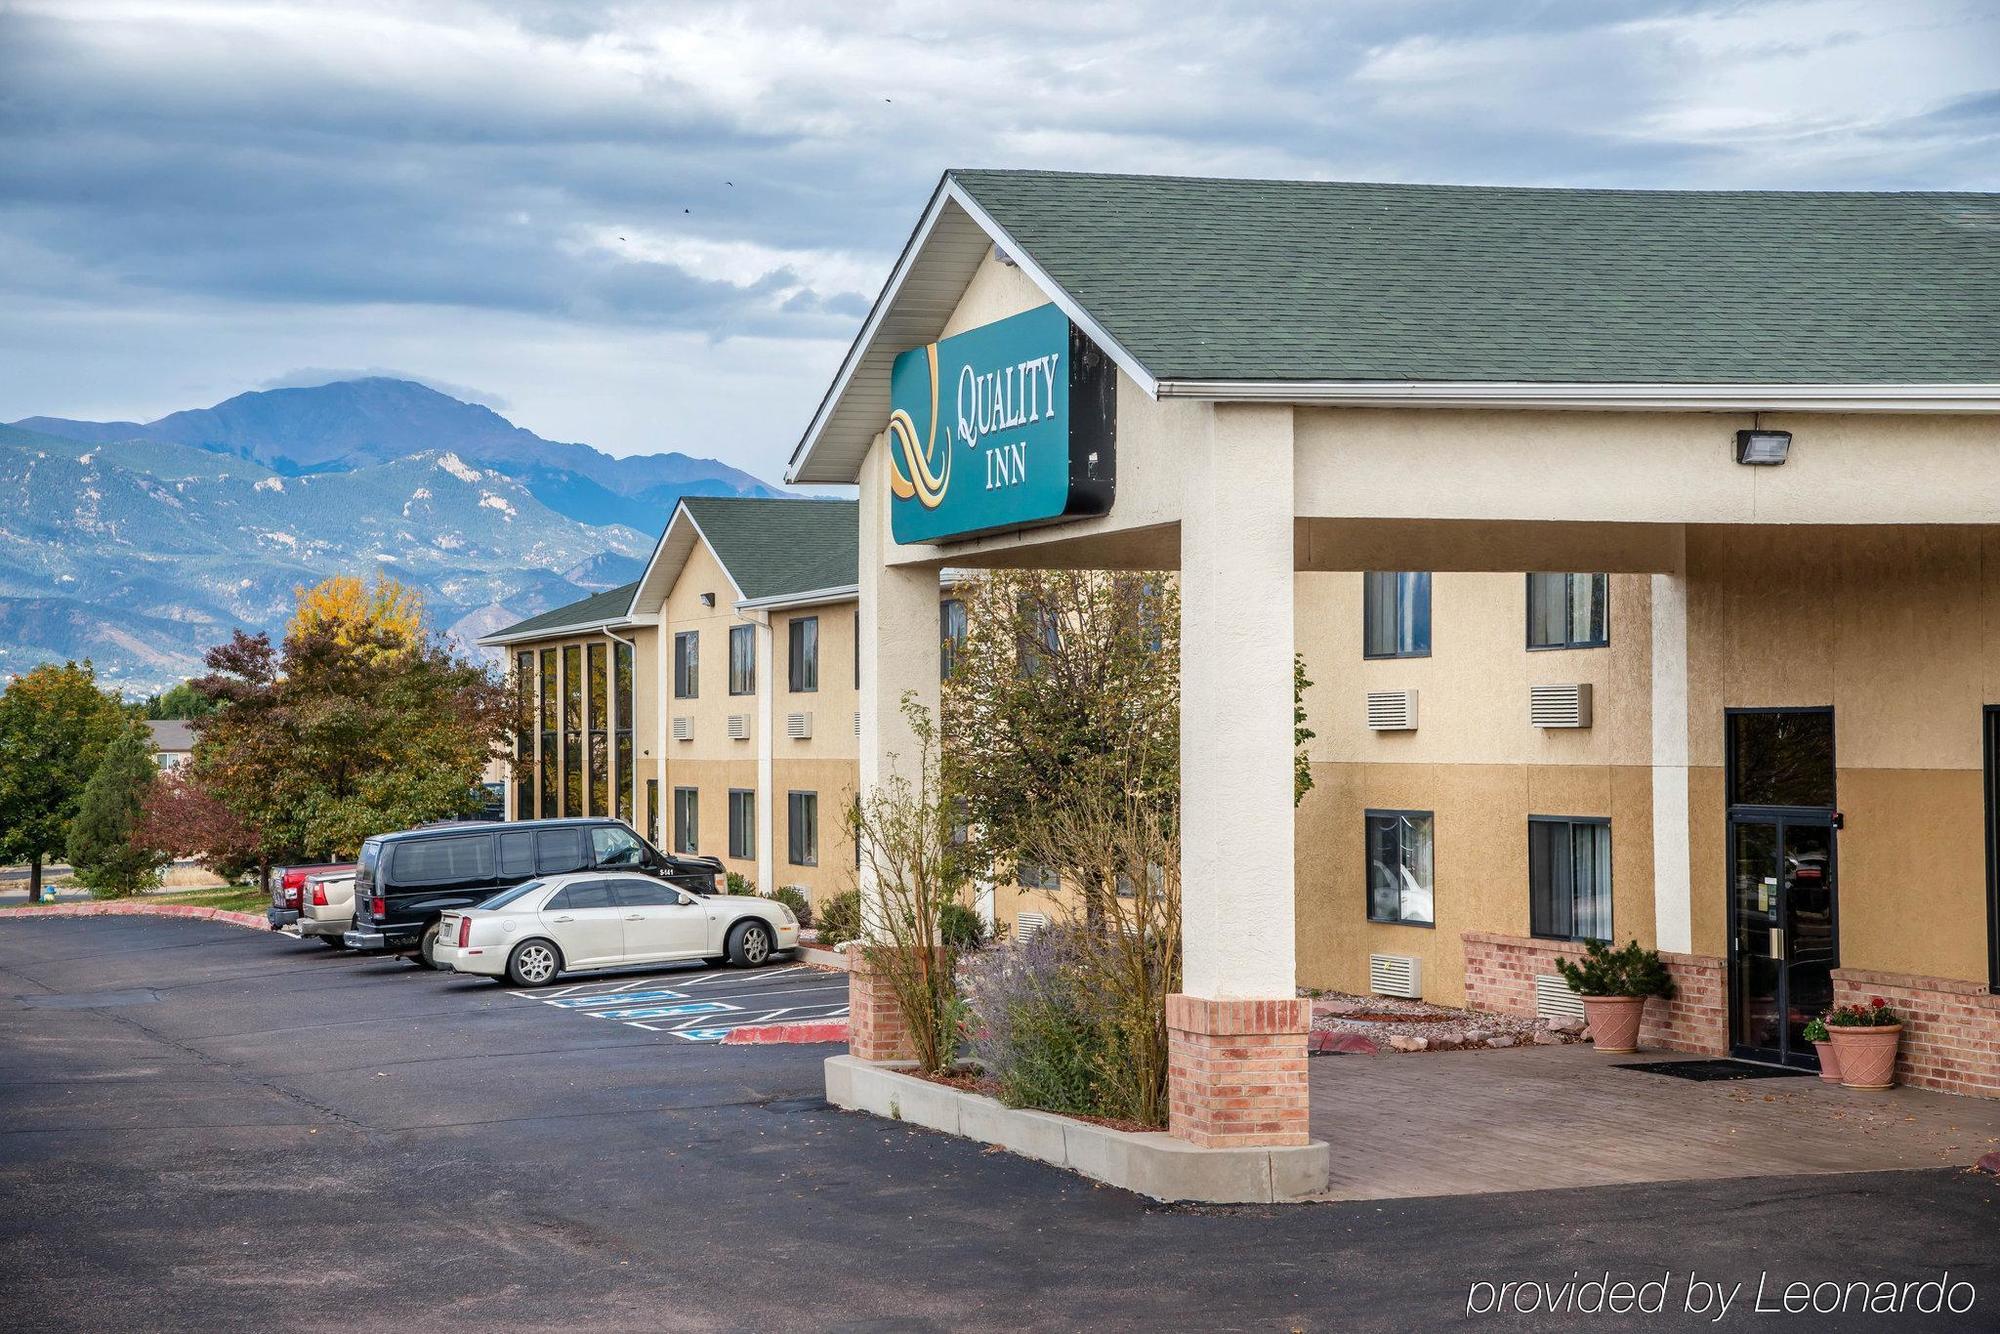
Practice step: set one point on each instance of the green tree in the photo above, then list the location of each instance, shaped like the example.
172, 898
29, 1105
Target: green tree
183, 702
355, 727
1064, 694
54, 726
101, 846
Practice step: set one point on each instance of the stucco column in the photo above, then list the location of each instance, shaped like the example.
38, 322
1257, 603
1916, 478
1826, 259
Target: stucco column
1673, 889
767, 733
1237, 1033
898, 628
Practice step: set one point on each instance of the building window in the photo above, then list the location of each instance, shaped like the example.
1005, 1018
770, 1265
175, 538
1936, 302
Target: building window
687, 664
805, 653
802, 828
1038, 637
1781, 757
1569, 878
572, 729
742, 824
951, 635
1569, 610
653, 811
524, 736
622, 774
599, 705
742, 659
545, 763
1030, 875
1396, 614
687, 818
1399, 867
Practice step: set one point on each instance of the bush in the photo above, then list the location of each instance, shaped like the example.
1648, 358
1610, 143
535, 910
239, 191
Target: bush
961, 929
735, 882
1631, 971
840, 918
794, 898
1037, 1030
101, 847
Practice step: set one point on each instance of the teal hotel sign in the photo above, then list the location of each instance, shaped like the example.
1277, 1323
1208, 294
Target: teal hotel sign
1008, 425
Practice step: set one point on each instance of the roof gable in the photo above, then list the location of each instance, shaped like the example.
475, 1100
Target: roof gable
781, 548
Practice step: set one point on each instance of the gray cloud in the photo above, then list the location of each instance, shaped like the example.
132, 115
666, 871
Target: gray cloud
484, 189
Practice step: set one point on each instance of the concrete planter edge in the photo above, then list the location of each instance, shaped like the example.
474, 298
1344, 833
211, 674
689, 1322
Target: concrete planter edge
1149, 1163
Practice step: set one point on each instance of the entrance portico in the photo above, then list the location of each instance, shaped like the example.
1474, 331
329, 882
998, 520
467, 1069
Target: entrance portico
1255, 479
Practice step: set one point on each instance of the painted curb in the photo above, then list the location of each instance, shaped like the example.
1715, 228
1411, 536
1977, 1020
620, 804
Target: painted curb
252, 921
1151, 1163
830, 1030
821, 958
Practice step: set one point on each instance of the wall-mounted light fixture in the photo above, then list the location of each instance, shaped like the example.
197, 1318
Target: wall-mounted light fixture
1763, 449
708, 599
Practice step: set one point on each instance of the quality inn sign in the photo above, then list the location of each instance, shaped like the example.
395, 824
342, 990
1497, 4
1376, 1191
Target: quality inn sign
1004, 426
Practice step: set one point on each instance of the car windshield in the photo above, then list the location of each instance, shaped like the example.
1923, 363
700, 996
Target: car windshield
507, 896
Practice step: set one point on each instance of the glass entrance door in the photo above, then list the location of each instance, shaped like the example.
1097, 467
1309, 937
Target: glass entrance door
1783, 940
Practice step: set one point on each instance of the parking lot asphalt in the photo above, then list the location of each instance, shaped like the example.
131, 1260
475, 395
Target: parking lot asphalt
201, 1127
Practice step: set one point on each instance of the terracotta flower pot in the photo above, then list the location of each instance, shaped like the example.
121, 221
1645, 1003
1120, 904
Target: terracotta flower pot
1867, 1055
1829, 1061
1614, 1022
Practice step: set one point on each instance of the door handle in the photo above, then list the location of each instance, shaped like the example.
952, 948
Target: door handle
1777, 942
565, 918
636, 917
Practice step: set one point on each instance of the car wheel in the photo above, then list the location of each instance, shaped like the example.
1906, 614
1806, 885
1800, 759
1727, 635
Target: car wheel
750, 944
534, 963
427, 947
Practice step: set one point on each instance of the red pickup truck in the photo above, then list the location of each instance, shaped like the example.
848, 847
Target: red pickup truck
286, 882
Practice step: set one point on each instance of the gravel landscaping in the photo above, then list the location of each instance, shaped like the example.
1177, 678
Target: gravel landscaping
1364, 1025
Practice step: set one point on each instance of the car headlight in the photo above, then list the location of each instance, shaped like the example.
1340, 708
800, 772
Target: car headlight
786, 909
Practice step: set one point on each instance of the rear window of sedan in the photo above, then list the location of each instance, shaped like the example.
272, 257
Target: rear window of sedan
507, 896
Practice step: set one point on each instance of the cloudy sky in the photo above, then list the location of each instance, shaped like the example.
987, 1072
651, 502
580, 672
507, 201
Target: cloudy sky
655, 226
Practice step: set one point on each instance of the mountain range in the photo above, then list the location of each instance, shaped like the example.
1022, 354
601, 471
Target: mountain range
140, 544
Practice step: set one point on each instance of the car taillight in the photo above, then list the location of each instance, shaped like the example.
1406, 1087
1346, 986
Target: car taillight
464, 932
319, 896
378, 907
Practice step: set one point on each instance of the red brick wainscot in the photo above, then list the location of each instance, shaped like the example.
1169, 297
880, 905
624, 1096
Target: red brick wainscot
875, 1027
1500, 973
1951, 1029
1236, 1071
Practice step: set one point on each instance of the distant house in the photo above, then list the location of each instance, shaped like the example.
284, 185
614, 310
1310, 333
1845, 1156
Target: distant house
173, 741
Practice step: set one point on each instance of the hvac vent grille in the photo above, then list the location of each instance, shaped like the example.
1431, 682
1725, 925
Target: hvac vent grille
857, 722
1554, 999
1396, 975
798, 726
1559, 706
1392, 710
683, 728
739, 727
1027, 924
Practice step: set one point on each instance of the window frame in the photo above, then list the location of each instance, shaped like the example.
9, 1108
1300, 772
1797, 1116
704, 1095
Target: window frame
802, 663
748, 842
744, 682
1989, 721
951, 639
793, 806
691, 824
1731, 777
1569, 604
1368, 816
687, 664
1367, 601
1571, 823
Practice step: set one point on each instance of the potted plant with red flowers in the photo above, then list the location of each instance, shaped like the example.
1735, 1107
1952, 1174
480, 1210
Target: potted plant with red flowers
1614, 985
1866, 1035
1829, 1059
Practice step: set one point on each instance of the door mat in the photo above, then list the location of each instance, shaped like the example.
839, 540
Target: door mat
1708, 1071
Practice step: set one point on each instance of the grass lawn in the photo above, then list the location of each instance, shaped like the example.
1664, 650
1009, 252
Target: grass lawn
236, 898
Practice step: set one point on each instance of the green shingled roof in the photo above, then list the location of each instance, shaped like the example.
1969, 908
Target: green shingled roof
610, 605
1326, 280
779, 548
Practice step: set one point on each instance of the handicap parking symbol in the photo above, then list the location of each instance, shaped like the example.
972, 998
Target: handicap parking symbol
701, 1034
664, 1011
614, 998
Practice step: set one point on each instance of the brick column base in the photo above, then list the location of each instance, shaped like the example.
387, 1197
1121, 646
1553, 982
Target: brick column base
875, 1027
1236, 1072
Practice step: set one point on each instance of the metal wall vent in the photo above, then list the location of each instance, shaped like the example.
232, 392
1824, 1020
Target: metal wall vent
798, 726
739, 727
683, 728
1027, 924
1396, 975
1559, 706
1392, 710
857, 722
1554, 999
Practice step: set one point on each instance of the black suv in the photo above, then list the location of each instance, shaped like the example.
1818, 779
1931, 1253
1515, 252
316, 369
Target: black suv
404, 880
